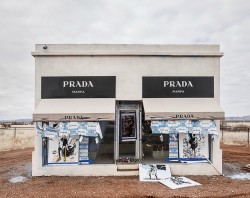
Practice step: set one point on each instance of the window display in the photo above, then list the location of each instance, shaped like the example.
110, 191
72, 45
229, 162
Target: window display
193, 146
68, 142
188, 139
63, 150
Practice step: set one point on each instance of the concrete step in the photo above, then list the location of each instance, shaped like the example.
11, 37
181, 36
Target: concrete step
128, 167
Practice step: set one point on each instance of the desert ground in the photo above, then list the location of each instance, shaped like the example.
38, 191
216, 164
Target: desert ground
17, 163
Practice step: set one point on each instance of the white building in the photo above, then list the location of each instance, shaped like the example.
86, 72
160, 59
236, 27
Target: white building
103, 109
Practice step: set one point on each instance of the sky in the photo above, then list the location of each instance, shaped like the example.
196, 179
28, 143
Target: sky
28, 22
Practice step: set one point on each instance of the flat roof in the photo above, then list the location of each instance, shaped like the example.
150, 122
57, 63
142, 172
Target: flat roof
204, 50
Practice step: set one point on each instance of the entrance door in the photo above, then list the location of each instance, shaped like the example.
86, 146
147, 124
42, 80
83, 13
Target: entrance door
128, 127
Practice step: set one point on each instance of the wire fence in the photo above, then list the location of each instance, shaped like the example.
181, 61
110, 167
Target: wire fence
15, 130
16, 137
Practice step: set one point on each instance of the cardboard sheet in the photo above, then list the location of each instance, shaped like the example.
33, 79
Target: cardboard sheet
178, 182
154, 172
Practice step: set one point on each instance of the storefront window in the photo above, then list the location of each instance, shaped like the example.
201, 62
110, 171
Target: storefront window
155, 147
178, 140
103, 151
77, 142
193, 146
44, 151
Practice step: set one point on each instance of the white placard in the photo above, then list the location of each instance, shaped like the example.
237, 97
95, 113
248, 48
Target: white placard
155, 123
50, 134
197, 130
213, 131
182, 129
73, 125
164, 130
82, 132
189, 123
173, 123
205, 123
178, 182
99, 131
63, 133
154, 172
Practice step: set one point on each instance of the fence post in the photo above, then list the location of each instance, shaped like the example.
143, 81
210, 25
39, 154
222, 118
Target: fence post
222, 135
15, 133
248, 136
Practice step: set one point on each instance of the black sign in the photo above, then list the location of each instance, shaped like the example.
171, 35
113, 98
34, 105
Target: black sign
78, 87
178, 87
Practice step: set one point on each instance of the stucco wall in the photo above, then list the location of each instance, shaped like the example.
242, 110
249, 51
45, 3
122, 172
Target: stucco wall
146, 60
16, 137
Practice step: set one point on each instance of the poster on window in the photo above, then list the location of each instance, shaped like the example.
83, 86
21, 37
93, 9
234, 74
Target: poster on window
128, 126
154, 172
63, 150
193, 145
84, 150
173, 145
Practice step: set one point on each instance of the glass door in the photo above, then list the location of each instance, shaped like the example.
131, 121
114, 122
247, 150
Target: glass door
128, 135
128, 125
128, 129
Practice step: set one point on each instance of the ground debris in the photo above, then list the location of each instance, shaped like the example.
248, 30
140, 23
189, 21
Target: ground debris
246, 167
18, 163
18, 179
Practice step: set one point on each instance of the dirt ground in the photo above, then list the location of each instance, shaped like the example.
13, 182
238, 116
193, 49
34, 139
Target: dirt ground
18, 163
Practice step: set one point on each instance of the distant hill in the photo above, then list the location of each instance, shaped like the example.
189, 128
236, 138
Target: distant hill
243, 118
16, 120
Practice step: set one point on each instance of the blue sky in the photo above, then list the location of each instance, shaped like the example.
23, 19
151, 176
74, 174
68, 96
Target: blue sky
26, 23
